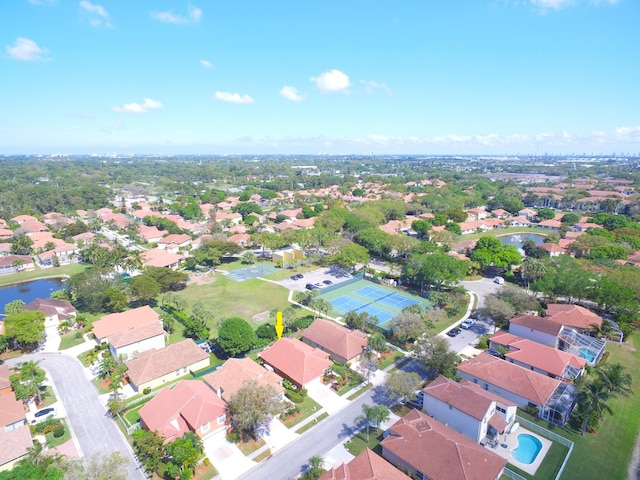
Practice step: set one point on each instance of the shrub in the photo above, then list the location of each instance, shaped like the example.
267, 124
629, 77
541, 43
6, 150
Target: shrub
146, 390
295, 397
58, 431
206, 462
47, 426
483, 342
233, 436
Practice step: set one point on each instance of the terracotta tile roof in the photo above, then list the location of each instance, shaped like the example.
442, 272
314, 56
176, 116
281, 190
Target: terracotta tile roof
365, 466
233, 373
335, 338
541, 324
538, 355
175, 239
116, 322
550, 223
497, 422
440, 452
296, 360
9, 260
552, 248
572, 316
14, 444
156, 363
464, 396
135, 334
525, 383
11, 410
158, 257
185, 407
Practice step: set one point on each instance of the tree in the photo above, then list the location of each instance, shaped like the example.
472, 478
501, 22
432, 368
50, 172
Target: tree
545, 214
183, 454
167, 278
498, 310
249, 258
320, 305
21, 245
434, 352
570, 218
148, 447
100, 467
235, 336
144, 288
378, 343
352, 255
592, 400
28, 382
421, 227
253, 405
14, 307
614, 379
314, 470
402, 385
25, 328
373, 415
437, 269
407, 326
360, 321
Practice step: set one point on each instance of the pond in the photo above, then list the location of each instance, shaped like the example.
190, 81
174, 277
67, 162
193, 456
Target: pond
517, 238
29, 291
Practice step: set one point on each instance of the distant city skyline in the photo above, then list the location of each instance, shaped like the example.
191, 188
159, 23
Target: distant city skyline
464, 77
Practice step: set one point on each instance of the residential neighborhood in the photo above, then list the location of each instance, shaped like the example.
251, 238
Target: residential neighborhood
382, 334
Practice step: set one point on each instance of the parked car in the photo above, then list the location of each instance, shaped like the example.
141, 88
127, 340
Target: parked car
294, 277
327, 282
310, 286
42, 415
454, 332
299, 276
499, 280
468, 323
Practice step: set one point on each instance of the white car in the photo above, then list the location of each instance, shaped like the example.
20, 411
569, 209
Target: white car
468, 323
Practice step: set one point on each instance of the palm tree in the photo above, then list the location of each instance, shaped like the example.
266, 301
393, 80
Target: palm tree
375, 415
593, 398
316, 462
615, 380
605, 330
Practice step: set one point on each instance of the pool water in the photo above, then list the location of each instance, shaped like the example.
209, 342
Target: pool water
587, 354
528, 448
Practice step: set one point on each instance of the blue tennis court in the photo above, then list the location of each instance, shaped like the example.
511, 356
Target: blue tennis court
392, 299
347, 304
254, 271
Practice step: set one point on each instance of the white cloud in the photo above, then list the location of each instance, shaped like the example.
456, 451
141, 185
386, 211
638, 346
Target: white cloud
370, 86
26, 50
193, 15
233, 97
291, 93
148, 104
332, 81
95, 14
206, 63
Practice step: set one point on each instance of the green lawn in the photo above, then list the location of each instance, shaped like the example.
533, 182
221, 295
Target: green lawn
307, 408
227, 298
359, 442
48, 397
309, 425
67, 270
550, 466
71, 339
607, 453
56, 442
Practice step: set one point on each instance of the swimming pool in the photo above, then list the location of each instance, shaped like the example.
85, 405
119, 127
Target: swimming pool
587, 354
528, 448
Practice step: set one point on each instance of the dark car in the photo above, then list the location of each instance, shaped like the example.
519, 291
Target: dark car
454, 332
299, 276
294, 277
310, 286
45, 411
327, 282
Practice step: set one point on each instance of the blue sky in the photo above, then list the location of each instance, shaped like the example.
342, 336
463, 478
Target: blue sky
311, 77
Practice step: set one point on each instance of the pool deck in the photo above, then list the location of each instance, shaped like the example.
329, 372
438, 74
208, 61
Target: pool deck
505, 448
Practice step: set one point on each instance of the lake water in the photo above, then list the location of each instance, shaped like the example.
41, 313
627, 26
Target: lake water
29, 291
517, 238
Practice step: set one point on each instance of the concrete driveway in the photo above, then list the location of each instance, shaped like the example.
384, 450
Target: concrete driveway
226, 457
95, 432
278, 435
330, 400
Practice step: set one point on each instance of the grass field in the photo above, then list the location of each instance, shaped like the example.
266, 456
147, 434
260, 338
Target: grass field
227, 298
66, 270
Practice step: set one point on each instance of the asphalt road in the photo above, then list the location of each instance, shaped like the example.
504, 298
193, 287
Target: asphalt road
291, 460
95, 432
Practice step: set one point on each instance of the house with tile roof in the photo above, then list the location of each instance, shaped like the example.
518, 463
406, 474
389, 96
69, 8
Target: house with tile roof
54, 310
553, 399
114, 323
235, 372
152, 368
341, 343
429, 449
574, 316
365, 466
296, 361
468, 409
552, 249
15, 437
539, 329
15, 263
174, 242
543, 359
156, 257
189, 406
132, 341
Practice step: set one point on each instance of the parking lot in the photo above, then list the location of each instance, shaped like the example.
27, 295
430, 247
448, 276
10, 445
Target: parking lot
317, 277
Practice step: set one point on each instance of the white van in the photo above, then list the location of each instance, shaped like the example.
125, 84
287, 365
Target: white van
498, 280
